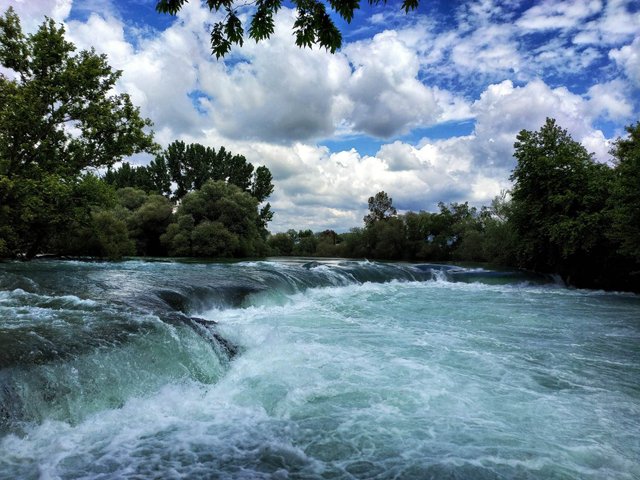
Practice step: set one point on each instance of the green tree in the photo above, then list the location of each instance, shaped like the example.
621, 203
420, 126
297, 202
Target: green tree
353, 244
102, 230
218, 220
380, 208
558, 204
148, 222
281, 244
305, 244
129, 176
625, 196
262, 186
111, 234
386, 239
58, 118
313, 25
190, 166
500, 242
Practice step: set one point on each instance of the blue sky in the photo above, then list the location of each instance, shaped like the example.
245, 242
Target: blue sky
425, 106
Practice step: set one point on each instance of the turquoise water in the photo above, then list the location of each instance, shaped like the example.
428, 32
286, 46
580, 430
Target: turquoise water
297, 369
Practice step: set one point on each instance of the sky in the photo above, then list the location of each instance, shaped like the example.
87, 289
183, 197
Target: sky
425, 106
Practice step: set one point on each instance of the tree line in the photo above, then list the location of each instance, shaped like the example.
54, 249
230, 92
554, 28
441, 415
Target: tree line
61, 125
566, 214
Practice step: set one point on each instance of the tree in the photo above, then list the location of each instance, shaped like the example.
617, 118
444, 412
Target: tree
261, 186
219, 220
281, 244
59, 118
625, 196
130, 176
148, 222
305, 243
313, 24
386, 239
558, 204
190, 166
499, 244
380, 208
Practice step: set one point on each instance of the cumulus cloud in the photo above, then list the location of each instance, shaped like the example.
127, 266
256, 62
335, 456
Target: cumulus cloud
271, 91
504, 109
335, 186
488, 49
32, 12
386, 94
275, 91
611, 101
474, 167
160, 73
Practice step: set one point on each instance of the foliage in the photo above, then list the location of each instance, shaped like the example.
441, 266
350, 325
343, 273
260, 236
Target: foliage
58, 118
218, 220
500, 242
380, 208
112, 236
625, 196
386, 239
313, 24
189, 167
148, 222
305, 243
138, 177
280, 244
328, 244
559, 197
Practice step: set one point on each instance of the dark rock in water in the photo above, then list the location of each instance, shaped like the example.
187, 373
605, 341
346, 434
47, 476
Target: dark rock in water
201, 298
310, 265
203, 321
175, 300
229, 348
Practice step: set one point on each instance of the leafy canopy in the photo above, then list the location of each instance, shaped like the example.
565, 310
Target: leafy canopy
313, 24
625, 197
218, 220
380, 208
559, 196
59, 118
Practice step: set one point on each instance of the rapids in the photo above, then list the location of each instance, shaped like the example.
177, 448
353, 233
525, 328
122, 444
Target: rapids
313, 369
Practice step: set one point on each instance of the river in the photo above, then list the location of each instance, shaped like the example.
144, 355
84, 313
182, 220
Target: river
313, 370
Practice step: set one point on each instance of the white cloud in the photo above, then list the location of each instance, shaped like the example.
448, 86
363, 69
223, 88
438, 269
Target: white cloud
277, 91
488, 49
387, 97
616, 22
610, 100
32, 12
556, 14
160, 74
628, 59
400, 156
503, 110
